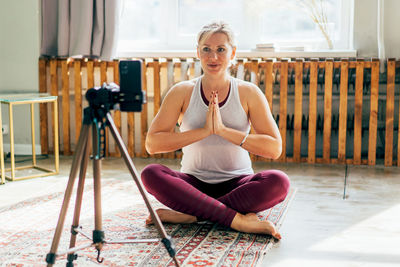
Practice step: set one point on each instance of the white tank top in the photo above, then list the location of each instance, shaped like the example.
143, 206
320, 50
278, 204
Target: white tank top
214, 159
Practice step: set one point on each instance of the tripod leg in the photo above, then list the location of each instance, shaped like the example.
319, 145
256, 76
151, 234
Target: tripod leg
78, 203
128, 161
51, 256
98, 234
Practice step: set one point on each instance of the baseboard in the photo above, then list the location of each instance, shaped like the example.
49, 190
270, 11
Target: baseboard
22, 149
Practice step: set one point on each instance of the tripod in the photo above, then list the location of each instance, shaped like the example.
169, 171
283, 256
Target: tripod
97, 118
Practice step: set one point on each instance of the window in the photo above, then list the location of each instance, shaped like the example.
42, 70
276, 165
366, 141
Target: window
173, 24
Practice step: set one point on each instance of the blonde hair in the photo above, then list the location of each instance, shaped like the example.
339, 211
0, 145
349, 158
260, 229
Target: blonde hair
216, 27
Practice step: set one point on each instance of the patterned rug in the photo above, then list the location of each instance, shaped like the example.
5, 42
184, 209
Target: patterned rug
27, 229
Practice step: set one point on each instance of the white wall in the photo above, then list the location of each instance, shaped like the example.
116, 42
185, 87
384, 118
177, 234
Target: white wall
392, 28
365, 28
19, 53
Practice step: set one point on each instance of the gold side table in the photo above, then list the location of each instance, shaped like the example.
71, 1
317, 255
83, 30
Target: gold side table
31, 99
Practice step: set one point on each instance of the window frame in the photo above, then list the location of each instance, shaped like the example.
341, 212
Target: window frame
179, 43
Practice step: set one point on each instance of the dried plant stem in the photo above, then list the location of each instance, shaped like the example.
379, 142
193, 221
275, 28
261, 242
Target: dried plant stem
324, 31
317, 13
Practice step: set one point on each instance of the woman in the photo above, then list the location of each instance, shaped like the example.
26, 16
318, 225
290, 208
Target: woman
216, 181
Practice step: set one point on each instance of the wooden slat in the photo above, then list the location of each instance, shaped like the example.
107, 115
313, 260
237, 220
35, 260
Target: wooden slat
65, 108
337, 64
44, 140
90, 73
117, 113
343, 111
283, 106
240, 69
143, 118
358, 101
398, 140
54, 88
53, 77
337, 161
157, 86
177, 72
269, 81
373, 114
163, 79
170, 73
391, 70
185, 69
298, 110
327, 111
247, 71
312, 112
254, 72
192, 73
103, 72
78, 98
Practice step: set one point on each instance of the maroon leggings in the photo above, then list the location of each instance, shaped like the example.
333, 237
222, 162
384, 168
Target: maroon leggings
215, 202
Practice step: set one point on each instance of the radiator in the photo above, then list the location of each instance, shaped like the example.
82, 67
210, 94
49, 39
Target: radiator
328, 111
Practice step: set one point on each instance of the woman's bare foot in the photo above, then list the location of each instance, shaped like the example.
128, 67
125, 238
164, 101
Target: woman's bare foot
250, 223
252, 216
172, 216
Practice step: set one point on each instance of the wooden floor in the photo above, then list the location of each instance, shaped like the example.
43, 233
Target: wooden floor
321, 228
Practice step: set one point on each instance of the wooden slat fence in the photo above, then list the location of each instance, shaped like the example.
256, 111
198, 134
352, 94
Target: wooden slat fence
328, 111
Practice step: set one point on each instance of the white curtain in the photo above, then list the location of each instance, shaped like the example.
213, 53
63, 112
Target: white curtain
80, 28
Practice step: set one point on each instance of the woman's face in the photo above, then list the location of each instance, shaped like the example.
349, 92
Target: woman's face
215, 53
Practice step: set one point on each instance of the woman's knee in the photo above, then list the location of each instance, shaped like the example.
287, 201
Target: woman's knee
277, 181
151, 174
284, 182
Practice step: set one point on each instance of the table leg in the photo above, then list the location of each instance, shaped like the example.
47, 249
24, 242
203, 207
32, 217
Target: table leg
12, 142
55, 124
1, 152
33, 134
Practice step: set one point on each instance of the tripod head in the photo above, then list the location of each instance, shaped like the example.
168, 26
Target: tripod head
105, 97
129, 96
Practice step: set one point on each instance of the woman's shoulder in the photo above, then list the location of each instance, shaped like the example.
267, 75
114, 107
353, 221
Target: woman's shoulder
245, 87
180, 93
184, 87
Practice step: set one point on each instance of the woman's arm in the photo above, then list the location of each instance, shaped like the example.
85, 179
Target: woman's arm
161, 136
266, 141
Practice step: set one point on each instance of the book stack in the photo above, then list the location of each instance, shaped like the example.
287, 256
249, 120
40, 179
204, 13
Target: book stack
291, 48
265, 47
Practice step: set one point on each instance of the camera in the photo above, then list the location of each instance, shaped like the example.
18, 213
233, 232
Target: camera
129, 96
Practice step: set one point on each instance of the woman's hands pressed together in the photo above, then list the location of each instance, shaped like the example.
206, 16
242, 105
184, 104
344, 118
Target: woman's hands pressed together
265, 141
214, 122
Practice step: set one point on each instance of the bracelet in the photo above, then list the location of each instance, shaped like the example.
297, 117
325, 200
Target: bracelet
244, 139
